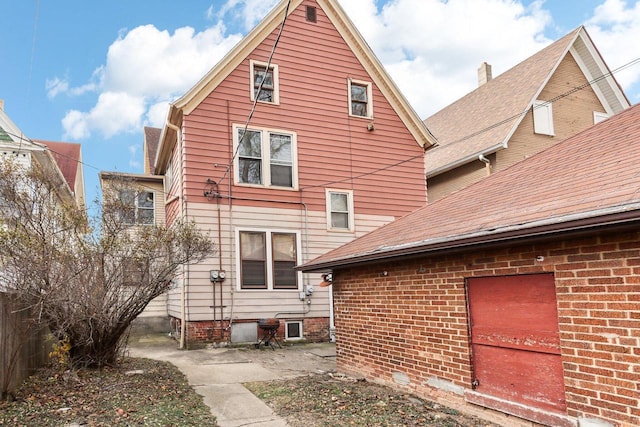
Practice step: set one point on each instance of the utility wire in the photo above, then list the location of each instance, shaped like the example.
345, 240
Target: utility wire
546, 103
557, 98
257, 94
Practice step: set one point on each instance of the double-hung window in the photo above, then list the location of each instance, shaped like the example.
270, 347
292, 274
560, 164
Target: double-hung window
137, 207
267, 260
264, 83
340, 210
265, 157
360, 103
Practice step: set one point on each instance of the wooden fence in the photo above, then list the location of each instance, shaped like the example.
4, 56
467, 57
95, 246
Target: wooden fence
24, 347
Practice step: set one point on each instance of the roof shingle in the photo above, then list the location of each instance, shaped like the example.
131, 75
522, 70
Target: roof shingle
590, 175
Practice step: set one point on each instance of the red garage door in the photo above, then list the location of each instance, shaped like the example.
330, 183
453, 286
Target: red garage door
515, 342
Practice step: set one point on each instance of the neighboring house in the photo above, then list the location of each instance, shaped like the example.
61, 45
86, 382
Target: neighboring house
144, 193
518, 293
16, 145
68, 156
554, 94
332, 151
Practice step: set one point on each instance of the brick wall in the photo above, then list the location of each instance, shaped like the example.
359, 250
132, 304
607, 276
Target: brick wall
314, 329
405, 323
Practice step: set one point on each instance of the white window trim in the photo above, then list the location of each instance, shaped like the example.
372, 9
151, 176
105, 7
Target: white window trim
276, 82
350, 208
136, 208
599, 117
543, 118
169, 177
268, 232
369, 98
266, 171
286, 331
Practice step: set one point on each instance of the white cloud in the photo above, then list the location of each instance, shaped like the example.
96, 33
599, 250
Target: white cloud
114, 113
249, 12
615, 29
144, 67
56, 86
432, 49
133, 161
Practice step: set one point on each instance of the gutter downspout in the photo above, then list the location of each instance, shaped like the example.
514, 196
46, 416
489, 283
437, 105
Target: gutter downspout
183, 292
486, 162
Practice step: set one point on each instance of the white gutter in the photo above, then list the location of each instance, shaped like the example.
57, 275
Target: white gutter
183, 292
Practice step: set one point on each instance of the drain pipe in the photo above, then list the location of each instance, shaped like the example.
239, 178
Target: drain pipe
183, 292
486, 162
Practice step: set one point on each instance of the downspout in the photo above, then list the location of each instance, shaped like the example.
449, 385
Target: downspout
487, 163
183, 292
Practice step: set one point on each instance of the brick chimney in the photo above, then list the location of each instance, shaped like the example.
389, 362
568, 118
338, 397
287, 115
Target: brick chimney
484, 74
1, 104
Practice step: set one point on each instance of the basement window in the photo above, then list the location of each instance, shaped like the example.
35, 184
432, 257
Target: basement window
293, 330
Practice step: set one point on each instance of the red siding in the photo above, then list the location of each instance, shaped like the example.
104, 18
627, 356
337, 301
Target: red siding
314, 65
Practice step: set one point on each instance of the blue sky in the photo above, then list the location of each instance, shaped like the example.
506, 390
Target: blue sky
98, 72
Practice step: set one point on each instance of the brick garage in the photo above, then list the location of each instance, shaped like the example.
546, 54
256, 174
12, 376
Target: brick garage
520, 293
407, 321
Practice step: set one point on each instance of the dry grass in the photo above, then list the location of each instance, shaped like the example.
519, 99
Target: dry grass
332, 400
158, 396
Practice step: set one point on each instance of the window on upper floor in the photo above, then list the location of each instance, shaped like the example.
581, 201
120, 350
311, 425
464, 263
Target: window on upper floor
543, 118
265, 157
340, 210
264, 82
168, 177
137, 207
267, 260
360, 99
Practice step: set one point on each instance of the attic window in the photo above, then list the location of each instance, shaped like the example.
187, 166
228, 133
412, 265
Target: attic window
264, 82
311, 14
360, 99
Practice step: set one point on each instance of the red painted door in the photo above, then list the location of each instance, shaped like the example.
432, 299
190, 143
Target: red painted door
515, 340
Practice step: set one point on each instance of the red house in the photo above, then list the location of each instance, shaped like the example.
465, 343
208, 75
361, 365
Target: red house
294, 144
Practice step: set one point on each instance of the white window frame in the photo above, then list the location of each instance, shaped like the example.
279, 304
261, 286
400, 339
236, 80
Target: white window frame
350, 209
369, 98
543, 118
169, 176
266, 160
286, 330
276, 81
269, 260
137, 208
599, 117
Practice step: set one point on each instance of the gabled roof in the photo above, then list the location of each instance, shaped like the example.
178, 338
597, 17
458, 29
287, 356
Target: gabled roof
483, 121
187, 103
12, 136
151, 143
587, 181
67, 157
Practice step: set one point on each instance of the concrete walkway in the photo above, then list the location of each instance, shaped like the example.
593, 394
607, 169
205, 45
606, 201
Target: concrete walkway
218, 374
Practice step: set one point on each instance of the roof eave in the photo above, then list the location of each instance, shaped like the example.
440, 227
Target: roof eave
468, 159
539, 230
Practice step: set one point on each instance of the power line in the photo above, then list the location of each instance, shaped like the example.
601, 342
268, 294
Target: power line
546, 103
259, 91
551, 101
